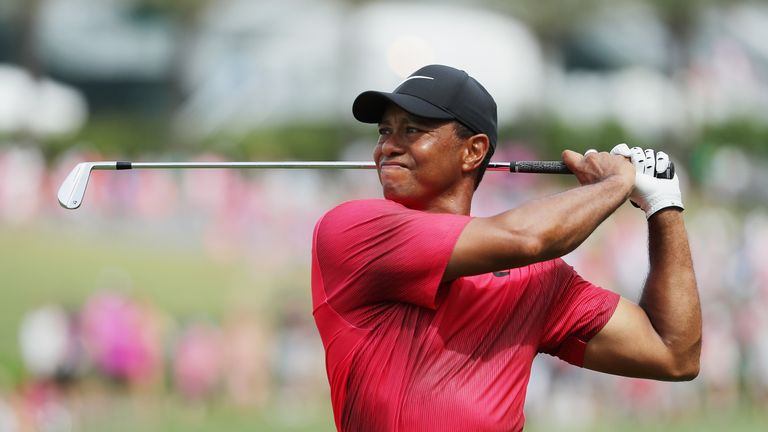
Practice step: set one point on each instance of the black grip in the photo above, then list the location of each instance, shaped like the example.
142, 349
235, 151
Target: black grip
539, 167
122, 165
558, 167
668, 173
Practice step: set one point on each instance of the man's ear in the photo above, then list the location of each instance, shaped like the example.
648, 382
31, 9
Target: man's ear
475, 149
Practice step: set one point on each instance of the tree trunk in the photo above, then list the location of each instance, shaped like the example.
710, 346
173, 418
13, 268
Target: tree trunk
26, 30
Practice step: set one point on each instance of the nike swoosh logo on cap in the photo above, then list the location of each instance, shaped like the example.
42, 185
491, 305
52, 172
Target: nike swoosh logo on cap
416, 77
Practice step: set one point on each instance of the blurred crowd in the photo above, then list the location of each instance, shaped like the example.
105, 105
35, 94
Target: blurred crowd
117, 345
132, 345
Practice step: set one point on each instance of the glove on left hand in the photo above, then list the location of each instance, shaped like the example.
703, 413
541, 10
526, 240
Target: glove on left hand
650, 193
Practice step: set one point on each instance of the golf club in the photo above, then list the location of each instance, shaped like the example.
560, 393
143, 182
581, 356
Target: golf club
72, 190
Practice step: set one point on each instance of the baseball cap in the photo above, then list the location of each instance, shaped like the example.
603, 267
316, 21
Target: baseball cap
435, 92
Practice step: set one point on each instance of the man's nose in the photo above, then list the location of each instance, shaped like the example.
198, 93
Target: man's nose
392, 145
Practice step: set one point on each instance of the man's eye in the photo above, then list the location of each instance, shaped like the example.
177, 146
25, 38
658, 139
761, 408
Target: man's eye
383, 131
411, 129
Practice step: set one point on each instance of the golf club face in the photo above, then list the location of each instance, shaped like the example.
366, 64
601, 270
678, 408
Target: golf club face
72, 190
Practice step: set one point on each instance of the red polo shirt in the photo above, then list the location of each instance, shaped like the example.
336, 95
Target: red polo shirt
407, 353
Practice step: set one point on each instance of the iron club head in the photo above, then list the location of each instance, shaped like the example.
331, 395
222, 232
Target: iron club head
72, 190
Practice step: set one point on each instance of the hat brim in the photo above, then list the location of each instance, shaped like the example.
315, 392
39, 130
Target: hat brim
369, 106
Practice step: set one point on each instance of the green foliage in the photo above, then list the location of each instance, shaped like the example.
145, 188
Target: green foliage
129, 136
168, 7
117, 135
748, 134
550, 20
122, 135
551, 136
319, 141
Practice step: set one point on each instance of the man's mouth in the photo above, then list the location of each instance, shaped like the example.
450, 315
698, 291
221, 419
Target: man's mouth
392, 165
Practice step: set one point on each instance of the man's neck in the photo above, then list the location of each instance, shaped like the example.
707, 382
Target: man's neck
457, 201
450, 204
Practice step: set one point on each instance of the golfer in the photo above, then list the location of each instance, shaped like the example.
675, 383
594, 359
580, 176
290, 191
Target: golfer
431, 318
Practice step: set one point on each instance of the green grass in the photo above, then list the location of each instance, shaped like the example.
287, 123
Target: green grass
45, 265
168, 414
738, 420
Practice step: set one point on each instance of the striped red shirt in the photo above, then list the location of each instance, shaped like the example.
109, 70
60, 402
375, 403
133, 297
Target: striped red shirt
407, 353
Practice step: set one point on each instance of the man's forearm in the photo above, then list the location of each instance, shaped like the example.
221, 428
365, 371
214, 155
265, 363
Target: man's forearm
670, 298
539, 230
563, 221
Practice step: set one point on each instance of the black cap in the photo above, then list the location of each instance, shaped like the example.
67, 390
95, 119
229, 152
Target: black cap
436, 92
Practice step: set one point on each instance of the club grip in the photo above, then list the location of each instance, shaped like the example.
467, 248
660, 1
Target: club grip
539, 167
558, 167
669, 173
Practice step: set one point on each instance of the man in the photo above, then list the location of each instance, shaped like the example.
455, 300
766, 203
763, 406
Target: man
431, 318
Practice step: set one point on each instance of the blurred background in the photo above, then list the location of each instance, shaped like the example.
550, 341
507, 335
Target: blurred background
180, 300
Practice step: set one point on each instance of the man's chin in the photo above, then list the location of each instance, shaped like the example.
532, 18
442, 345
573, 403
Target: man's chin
392, 195
400, 198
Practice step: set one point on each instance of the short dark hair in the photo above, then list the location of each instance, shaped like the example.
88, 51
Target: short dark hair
463, 132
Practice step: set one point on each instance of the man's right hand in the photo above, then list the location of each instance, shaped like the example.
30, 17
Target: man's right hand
594, 167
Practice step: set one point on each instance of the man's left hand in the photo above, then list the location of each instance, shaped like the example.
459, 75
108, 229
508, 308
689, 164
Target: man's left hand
651, 194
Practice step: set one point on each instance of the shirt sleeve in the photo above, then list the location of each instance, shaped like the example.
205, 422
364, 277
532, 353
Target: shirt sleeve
578, 310
377, 250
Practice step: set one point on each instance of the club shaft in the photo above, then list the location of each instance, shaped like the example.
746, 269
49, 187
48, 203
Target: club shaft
255, 165
543, 167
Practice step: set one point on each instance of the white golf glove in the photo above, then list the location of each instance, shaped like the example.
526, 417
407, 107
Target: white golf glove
650, 193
